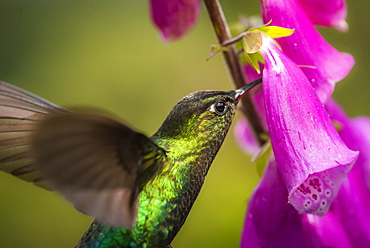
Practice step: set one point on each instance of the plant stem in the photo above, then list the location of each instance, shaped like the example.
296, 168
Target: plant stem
232, 61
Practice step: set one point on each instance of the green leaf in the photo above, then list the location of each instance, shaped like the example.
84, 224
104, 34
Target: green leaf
276, 32
215, 49
253, 59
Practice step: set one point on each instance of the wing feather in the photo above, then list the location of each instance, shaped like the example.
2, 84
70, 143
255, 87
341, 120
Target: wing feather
94, 162
20, 111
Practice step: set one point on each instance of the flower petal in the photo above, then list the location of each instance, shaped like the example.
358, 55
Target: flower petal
353, 200
361, 127
245, 137
324, 231
270, 220
356, 134
174, 18
311, 157
329, 13
306, 47
352, 208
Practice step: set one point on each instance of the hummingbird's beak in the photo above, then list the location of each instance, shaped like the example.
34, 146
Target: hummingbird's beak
243, 90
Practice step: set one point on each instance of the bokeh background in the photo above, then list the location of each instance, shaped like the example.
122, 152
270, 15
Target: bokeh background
107, 55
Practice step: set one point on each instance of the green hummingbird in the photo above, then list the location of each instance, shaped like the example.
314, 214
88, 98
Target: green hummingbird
140, 189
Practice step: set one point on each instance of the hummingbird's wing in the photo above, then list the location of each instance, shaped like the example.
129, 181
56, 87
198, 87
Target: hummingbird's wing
96, 163
19, 112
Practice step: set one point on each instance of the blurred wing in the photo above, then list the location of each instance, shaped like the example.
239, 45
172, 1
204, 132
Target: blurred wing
94, 162
19, 112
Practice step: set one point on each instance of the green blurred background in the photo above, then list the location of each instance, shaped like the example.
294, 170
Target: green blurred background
106, 54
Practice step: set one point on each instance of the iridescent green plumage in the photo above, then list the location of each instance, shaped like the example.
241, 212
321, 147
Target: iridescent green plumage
191, 136
140, 189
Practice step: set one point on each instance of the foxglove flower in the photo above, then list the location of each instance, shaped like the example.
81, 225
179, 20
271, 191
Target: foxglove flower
310, 155
311, 160
322, 64
361, 127
272, 222
174, 18
356, 134
328, 13
322, 232
353, 200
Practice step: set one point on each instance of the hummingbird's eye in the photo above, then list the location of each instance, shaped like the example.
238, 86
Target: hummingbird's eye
219, 108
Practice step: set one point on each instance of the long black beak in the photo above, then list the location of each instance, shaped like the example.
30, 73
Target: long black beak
243, 90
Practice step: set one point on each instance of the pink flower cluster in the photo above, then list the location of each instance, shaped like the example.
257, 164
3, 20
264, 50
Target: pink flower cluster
315, 188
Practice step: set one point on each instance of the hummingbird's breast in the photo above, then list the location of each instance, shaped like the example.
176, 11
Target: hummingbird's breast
165, 202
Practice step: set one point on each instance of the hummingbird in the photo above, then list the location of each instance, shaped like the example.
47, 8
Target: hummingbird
139, 189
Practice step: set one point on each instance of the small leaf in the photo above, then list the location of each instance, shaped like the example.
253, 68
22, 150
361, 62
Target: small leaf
253, 60
215, 49
276, 32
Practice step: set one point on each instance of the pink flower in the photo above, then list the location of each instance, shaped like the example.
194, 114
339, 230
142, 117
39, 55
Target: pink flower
309, 196
174, 18
306, 47
272, 222
352, 204
311, 157
328, 13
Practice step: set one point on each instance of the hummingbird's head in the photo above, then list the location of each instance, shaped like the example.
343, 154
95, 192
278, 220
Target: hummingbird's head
202, 116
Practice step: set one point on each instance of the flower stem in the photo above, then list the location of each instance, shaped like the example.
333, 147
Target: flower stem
232, 61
